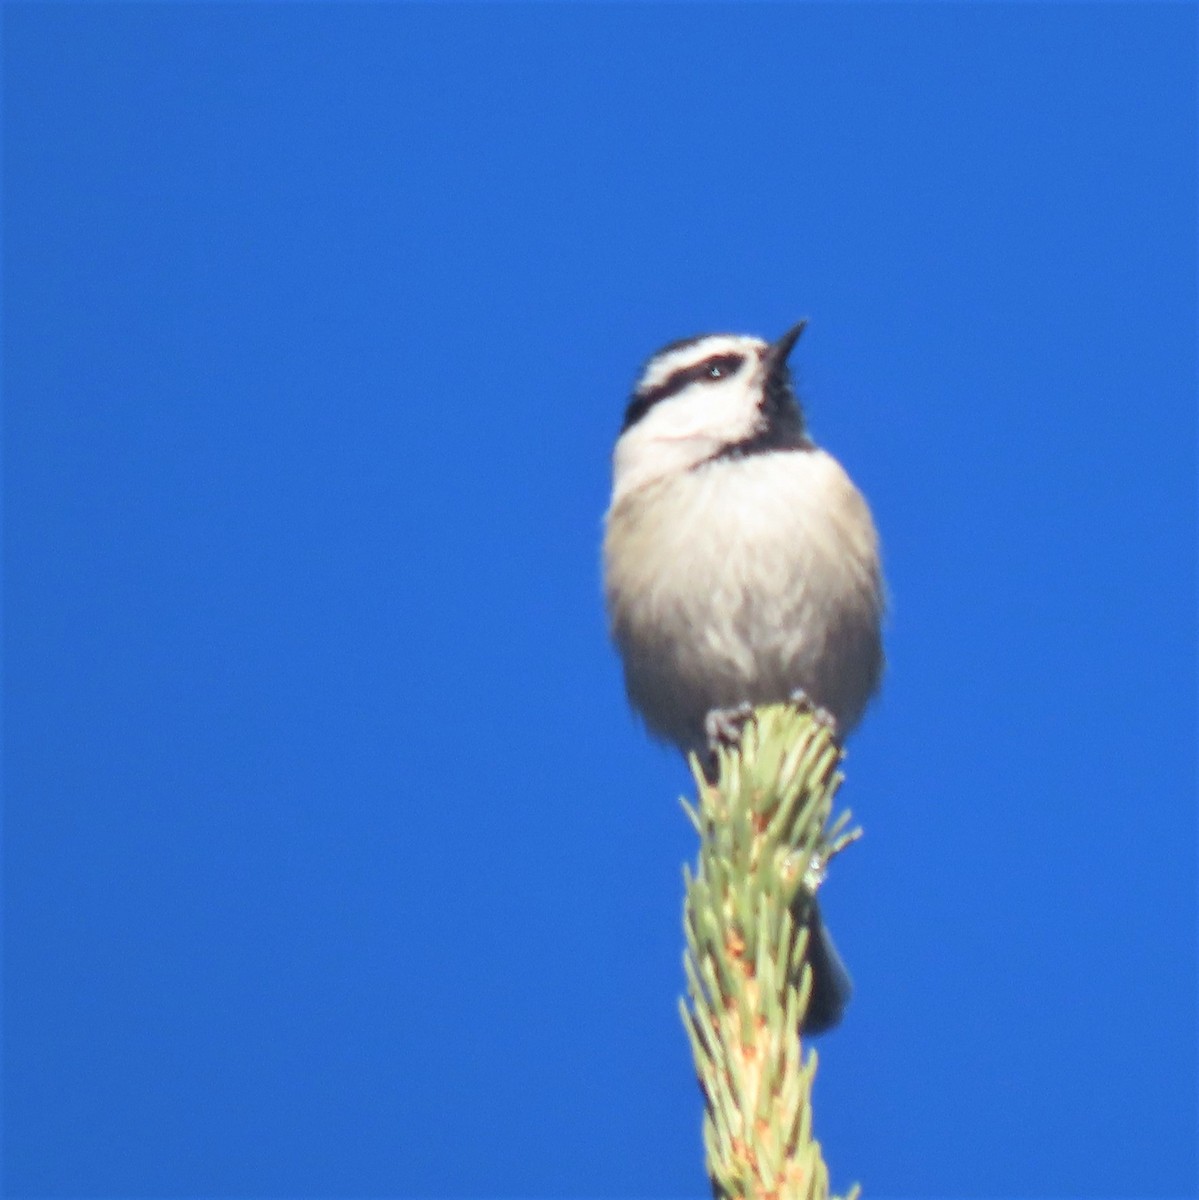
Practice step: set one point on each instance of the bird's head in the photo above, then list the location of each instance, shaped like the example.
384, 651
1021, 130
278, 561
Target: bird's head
705, 397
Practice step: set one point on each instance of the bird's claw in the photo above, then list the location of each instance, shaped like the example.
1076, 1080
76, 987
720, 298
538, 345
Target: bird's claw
802, 701
724, 726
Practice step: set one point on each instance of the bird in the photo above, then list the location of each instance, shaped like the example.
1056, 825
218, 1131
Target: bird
741, 565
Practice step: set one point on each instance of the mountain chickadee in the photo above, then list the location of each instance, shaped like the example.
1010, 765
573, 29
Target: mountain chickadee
741, 565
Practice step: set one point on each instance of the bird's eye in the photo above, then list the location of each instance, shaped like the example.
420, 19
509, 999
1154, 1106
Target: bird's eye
719, 367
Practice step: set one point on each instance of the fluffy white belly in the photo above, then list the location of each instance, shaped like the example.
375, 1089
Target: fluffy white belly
744, 580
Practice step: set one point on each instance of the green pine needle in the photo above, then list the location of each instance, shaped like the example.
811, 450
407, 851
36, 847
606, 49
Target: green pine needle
767, 836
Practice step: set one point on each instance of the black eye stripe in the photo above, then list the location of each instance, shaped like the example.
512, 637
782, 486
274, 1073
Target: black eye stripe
642, 402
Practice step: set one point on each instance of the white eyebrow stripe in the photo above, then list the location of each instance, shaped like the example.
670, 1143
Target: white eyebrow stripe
663, 366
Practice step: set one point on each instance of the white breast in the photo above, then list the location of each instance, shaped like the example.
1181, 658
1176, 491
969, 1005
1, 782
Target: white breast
744, 580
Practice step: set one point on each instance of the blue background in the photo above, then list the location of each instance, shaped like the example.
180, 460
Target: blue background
334, 863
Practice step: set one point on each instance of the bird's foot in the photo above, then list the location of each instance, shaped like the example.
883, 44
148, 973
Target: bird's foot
802, 701
724, 726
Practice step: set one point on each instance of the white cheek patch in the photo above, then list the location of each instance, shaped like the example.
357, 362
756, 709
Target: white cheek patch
699, 411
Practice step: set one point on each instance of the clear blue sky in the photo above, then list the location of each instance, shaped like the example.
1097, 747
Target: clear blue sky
334, 862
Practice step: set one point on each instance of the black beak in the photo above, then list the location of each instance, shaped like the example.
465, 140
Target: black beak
778, 352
